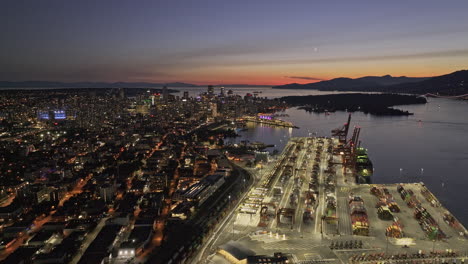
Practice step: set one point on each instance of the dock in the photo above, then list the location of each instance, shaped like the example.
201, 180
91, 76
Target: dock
270, 122
350, 223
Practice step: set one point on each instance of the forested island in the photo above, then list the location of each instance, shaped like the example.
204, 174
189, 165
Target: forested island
374, 104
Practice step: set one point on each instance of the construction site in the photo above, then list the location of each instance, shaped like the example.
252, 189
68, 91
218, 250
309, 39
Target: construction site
316, 204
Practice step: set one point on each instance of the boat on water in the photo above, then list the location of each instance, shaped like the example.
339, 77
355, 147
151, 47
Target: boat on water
364, 166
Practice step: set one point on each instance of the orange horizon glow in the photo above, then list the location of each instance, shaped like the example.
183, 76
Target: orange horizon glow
261, 75
282, 80
304, 74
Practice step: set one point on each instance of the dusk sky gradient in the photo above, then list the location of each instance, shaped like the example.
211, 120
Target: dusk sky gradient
214, 41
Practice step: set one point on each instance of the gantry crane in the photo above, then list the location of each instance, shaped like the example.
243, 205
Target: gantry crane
349, 157
342, 132
347, 148
286, 212
265, 215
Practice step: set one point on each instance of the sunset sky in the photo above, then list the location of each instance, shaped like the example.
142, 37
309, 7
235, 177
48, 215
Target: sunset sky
216, 41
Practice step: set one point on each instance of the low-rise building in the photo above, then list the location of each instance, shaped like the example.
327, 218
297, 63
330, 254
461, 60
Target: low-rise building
136, 241
183, 210
202, 190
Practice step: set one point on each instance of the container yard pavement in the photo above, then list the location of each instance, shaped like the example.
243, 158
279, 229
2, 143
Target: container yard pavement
311, 241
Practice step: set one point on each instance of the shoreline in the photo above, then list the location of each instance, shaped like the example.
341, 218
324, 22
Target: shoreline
374, 104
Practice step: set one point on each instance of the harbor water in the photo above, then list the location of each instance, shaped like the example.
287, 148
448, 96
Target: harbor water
430, 146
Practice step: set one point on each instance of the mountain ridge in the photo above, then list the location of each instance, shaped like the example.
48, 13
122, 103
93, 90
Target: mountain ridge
52, 84
345, 83
455, 83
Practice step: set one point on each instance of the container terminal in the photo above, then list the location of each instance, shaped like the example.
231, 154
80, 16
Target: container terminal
316, 204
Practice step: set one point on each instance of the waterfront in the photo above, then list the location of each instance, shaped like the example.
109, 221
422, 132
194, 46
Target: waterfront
308, 177
403, 148
430, 146
265, 91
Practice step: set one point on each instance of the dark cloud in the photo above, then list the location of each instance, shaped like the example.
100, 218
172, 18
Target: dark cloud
420, 55
275, 46
224, 50
304, 78
92, 72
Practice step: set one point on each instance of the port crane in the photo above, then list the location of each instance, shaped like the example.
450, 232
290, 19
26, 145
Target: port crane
342, 132
265, 215
286, 212
349, 156
347, 148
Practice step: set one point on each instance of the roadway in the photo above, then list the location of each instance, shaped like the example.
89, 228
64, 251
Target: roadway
41, 220
158, 236
88, 240
320, 199
342, 196
305, 171
287, 191
223, 226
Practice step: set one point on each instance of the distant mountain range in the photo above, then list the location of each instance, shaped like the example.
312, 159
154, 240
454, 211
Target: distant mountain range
455, 83
45, 84
348, 84
239, 85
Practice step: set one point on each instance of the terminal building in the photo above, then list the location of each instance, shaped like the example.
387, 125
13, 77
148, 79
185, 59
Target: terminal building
202, 190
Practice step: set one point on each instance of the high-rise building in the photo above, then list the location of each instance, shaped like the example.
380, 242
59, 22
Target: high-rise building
222, 91
210, 90
214, 109
186, 95
121, 93
165, 94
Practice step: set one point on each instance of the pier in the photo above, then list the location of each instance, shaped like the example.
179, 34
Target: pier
270, 122
310, 205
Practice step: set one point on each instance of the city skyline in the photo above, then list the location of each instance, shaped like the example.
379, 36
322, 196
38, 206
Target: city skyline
265, 42
233, 132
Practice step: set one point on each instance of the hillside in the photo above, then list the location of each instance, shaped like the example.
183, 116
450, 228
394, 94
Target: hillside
455, 83
368, 83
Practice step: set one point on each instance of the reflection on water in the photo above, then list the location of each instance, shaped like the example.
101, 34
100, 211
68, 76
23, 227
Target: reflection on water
430, 146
